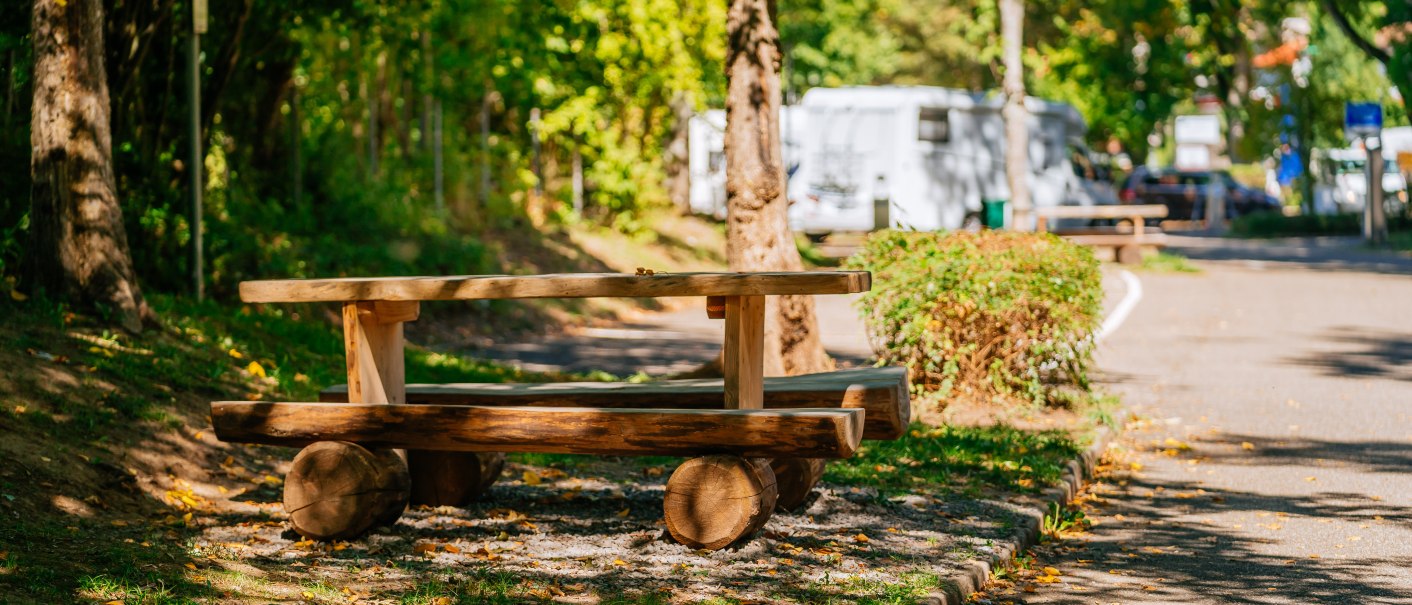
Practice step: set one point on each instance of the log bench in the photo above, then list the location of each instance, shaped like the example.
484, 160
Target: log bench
1127, 238
755, 444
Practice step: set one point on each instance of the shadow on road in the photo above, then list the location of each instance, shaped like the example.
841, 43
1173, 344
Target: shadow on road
1360, 353
1316, 253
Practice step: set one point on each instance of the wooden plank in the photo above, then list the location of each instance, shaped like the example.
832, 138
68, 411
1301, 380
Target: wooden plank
1108, 230
1104, 211
882, 392
374, 351
1154, 239
799, 433
569, 285
743, 355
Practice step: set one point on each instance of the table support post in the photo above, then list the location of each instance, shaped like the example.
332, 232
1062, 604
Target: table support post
744, 356
372, 341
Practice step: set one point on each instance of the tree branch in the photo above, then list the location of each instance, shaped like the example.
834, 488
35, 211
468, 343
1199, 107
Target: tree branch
1362, 43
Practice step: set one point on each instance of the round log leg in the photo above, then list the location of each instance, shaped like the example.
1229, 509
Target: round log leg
452, 478
795, 478
338, 490
1130, 255
713, 501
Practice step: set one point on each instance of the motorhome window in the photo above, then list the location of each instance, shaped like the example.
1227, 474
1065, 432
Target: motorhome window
934, 124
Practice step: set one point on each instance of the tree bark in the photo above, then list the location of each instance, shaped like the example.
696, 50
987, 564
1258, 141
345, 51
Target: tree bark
757, 227
678, 155
79, 249
1017, 135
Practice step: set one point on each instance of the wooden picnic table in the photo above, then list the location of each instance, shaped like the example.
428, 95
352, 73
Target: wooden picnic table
1126, 240
344, 481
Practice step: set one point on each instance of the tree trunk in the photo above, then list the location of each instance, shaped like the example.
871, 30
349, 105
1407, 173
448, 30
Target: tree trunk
678, 155
79, 249
757, 228
1017, 135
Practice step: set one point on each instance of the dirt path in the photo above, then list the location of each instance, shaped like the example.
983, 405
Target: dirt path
1276, 462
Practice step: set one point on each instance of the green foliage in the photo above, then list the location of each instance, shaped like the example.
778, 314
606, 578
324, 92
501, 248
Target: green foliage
980, 314
1062, 519
1274, 224
1168, 262
959, 459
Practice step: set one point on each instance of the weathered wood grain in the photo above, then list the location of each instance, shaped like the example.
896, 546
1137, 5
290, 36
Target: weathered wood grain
452, 478
338, 490
714, 501
574, 285
881, 391
801, 433
796, 478
1105, 211
743, 354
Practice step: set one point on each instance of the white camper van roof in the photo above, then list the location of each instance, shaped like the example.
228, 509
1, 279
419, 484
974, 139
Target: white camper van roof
932, 96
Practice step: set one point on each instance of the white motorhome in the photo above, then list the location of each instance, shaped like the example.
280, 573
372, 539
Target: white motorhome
1341, 177
706, 149
928, 155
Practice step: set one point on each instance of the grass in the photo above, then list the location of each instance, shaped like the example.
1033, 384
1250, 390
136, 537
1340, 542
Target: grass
965, 460
1168, 262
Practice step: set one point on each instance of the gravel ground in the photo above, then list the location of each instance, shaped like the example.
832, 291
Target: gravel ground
594, 532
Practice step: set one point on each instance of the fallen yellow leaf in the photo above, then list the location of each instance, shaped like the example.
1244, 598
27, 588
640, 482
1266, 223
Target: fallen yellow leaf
619, 562
255, 369
860, 538
532, 478
236, 354
623, 513
1050, 571
17, 296
1247, 446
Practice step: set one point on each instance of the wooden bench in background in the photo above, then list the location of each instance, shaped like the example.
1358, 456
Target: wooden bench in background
1127, 238
757, 443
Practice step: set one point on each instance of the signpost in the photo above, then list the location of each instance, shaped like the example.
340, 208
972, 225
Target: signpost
193, 90
1365, 121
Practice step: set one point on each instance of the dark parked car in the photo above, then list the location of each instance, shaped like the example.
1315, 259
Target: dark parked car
1184, 193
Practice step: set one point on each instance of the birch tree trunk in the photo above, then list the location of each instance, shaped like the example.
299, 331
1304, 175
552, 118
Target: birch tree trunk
79, 249
757, 227
1017, 136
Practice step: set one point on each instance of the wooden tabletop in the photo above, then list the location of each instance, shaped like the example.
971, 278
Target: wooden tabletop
563, 285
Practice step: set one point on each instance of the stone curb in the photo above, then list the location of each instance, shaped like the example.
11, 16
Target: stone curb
959, 586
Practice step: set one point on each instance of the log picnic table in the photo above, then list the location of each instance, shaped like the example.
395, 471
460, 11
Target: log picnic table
1127, 240
754, 443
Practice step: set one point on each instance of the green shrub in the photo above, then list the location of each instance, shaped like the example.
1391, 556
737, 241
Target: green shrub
1274, 224
983, 314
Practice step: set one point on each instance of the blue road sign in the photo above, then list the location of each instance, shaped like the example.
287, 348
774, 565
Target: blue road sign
1362, 119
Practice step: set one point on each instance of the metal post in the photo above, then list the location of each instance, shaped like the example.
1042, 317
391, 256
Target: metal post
534, 153
438, 172
578, 179
193, 83
295, 165
1376, 224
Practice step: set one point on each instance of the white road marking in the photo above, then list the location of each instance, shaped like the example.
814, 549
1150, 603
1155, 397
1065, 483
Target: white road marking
1125, 307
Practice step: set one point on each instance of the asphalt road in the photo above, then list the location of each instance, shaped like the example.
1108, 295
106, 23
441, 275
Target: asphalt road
1286, 368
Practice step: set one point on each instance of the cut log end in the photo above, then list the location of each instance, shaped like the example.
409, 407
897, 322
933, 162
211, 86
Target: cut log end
338, 490
795, 479
452, 478
714, 501
1129, 255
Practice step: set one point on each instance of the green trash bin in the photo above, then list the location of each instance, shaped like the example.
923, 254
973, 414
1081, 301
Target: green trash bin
993, 214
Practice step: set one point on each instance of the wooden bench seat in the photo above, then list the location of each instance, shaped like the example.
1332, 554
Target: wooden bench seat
796, 433
1127, 240
880, 391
